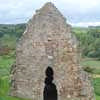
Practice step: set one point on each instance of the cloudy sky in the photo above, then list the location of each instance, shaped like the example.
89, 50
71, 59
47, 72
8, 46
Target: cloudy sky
77, 12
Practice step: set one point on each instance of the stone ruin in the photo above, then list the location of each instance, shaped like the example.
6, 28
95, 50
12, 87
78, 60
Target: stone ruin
48, 41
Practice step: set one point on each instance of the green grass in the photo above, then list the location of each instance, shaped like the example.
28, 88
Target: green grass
92, 63
95, 64
4, 90
97, 88
97, 97
96, 83
5, 66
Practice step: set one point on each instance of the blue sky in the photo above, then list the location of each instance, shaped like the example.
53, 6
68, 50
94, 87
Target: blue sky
77, 12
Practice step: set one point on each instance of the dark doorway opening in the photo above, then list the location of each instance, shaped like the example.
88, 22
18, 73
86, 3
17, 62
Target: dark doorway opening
50, 91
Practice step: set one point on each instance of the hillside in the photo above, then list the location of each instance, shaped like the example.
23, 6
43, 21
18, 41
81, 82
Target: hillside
9, 34
89, 38
89, 41
89, 44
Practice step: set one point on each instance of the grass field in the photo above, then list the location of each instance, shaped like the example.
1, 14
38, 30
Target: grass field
97, 97
95, 64
92, 63
5, 64
7, 61
96, 83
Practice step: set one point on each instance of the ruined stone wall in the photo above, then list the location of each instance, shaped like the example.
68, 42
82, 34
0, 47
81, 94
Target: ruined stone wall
48, 41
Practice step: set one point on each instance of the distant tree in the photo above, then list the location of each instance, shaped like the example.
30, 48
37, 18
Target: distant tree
89, 41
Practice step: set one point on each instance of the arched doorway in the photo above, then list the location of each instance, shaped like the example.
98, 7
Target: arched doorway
50, 91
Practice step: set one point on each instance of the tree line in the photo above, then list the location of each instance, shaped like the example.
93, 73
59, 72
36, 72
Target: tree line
89, 41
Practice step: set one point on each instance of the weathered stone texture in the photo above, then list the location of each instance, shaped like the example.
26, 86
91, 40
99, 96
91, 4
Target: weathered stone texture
48, 41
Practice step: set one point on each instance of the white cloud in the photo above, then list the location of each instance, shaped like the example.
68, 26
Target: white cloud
15, 11
85, 24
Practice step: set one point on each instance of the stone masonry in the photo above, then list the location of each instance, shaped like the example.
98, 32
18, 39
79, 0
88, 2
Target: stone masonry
48, 41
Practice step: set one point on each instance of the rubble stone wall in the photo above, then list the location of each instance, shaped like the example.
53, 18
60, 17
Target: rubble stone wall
48, 41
